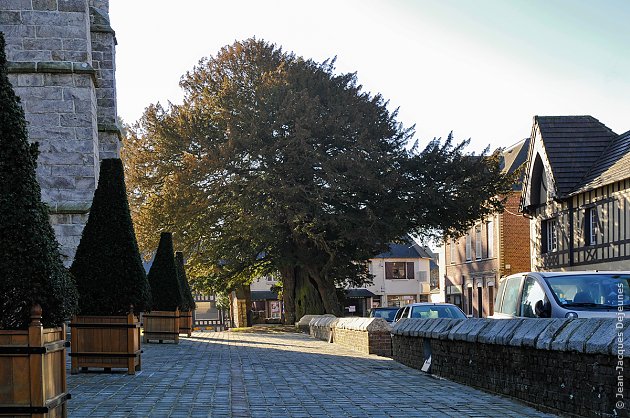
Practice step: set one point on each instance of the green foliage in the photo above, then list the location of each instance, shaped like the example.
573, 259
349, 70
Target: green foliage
189, 300
108, 268
163, 277
276, 163
31, 270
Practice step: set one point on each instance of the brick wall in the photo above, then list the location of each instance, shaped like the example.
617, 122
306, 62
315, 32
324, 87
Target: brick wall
561, 365
514, 238
366, 335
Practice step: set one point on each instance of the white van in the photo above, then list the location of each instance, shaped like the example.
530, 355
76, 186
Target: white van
576, 294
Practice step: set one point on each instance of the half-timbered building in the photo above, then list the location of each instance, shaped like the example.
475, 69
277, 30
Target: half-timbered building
577, 195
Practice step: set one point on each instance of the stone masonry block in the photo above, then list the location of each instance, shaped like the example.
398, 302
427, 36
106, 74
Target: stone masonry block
548, 334
73, 6
53, 31
15, 4
29, 80
498, 332
39, 44
577, 340
64, 20
603, 338
9, 17
30, 89
48, 5
441, 330
480, 325
527, 332
561, 340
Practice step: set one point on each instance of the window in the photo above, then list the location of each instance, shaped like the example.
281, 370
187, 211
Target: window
452, 255
470, 301
490, 238
398, 270
510, 302
490, 300
532, 293
468, 247
478, 243
590, 226
549, 235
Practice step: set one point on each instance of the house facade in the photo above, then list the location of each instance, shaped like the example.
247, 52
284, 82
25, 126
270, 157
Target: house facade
401, 275
577, 195
495, 246
61, 63
266, 306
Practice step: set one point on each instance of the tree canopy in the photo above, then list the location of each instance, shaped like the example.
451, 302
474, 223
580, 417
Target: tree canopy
31, 270
274, 163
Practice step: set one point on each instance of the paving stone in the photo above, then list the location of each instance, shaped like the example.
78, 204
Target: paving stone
235, 374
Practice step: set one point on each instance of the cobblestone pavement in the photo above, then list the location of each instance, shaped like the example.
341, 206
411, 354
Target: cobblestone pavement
234, 374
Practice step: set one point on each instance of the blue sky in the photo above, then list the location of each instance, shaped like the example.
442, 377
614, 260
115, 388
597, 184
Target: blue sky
480, 68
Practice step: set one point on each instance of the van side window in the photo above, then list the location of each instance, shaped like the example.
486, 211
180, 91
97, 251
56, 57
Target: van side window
499, 298
510, 297
532, 293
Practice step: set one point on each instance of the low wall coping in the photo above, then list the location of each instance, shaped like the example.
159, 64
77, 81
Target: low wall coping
306, 319
586, 335
363, 324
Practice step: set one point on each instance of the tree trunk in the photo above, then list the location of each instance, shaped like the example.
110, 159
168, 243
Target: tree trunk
307, 296
288, 294
328, 294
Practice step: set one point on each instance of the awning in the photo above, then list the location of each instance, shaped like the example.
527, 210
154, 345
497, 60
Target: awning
264, 295
358, 293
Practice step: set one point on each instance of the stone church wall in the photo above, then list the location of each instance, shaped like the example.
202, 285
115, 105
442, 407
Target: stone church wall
61, 64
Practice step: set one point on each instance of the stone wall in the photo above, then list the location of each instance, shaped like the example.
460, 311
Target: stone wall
567, 366
61, 64
366, 335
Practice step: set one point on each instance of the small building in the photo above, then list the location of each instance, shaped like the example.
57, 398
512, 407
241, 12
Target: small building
495, 246
401, 276
267, 308
577, 195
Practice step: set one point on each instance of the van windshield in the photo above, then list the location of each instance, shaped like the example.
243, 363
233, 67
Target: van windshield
591, 290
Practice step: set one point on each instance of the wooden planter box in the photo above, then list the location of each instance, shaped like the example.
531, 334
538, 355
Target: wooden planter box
161, 326
33, 371
107, 342
185, 322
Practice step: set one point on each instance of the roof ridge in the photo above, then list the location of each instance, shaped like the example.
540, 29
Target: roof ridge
595, 164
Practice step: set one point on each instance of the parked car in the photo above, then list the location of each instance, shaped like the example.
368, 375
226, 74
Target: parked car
386, 312
430, 310
577, 294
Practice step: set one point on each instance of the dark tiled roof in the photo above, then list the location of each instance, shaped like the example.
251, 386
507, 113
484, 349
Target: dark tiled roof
264, 295
514, 157
407, 250
573, 145
613, 165
359, 293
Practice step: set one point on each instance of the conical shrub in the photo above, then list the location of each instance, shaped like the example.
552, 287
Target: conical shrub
163, 277
107, 267
31, 270
183, 280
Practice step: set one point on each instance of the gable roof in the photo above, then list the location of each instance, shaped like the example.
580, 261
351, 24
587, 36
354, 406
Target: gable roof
409, 249
513, 157
613, 165
573, 145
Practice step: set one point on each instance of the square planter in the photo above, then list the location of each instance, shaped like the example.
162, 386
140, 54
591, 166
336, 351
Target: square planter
161, 326
185, 323
33, 371
106, 342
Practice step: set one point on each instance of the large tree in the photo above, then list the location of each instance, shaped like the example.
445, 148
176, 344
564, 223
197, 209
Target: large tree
274, 163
